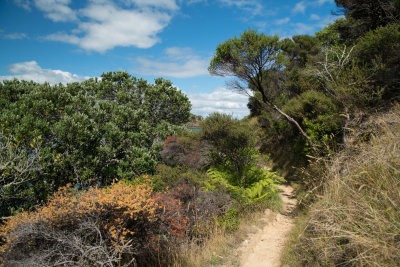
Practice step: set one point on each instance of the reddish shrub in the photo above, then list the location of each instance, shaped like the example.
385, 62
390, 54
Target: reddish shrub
120, 225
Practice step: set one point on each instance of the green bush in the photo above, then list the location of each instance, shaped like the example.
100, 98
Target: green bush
89, 133
229, 221
233, 142
169, 177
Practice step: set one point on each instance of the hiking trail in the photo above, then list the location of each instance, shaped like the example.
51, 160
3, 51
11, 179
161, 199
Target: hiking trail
264, 248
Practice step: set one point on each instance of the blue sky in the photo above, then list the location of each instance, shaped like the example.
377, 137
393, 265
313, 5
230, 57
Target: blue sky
67, 40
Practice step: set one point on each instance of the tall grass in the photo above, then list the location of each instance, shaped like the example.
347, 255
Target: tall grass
356, 221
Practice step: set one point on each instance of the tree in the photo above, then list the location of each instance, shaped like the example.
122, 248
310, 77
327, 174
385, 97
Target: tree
248, 58
365, 15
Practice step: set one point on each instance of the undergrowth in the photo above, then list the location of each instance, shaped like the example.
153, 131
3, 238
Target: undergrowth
356, 221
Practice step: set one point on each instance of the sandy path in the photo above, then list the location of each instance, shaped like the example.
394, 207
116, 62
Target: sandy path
263, 249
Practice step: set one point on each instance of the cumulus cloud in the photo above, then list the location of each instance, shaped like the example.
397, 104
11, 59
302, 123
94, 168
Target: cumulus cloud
282, 21
105, 24
220, 100
56, 10
31, 71
15, 36
315, 17
321, 2
25, 4
168, 4
178, 63
253, 6
300, 7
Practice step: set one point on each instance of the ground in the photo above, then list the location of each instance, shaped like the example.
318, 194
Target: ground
263, 248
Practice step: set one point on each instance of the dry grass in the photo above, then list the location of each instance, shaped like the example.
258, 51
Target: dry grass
356, 221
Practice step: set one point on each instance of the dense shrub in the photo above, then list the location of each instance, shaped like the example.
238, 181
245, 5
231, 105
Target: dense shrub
168, 177
120, 225
233, 142
187, 149
89, 133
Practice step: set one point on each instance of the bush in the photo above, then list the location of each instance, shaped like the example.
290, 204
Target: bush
233, 142
187, 149
169, 177
120, 225
92, 132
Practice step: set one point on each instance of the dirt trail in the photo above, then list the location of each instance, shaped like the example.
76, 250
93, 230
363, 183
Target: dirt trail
263, 249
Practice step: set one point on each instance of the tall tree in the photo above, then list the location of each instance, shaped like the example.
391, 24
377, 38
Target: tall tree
365, 15
248, 58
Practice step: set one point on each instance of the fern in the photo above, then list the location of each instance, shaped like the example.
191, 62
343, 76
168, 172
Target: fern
260, 183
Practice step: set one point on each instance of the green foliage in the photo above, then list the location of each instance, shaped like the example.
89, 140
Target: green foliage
233, 142
258, 183
235, 56
91, 132
169, 177
320, 115
229, 221
300, 48
365, 15
329, 35
379, 50
246, 58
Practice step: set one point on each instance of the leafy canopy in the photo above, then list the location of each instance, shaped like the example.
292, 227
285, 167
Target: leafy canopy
87, 133
246, 57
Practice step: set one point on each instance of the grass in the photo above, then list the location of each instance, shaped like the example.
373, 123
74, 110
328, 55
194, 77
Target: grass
356, 219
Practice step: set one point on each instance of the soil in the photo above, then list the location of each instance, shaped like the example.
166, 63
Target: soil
264, 248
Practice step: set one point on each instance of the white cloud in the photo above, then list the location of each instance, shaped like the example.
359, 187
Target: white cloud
25, 4
56, 10
315, 17
63, 37
167, 4
321, 2
178, 63
15, 36
220, 100
31, 70
110, 26
252, 6
104, 25
301, 28
282, 21
300, 7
